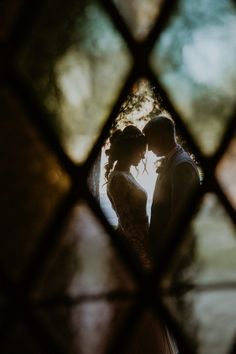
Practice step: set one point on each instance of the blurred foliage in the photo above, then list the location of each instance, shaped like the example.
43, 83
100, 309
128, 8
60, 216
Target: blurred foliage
142, 101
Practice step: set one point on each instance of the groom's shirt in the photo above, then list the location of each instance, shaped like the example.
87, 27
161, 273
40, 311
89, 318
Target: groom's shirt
177, 179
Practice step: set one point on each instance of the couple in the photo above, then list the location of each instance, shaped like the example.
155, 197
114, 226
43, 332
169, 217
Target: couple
177, 177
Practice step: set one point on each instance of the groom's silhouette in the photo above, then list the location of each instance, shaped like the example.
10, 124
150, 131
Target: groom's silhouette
178, 176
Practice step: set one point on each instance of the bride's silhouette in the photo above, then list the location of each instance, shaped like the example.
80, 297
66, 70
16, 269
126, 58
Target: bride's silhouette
127, 197
128, 200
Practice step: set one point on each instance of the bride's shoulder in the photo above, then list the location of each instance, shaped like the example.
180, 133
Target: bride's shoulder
118, 179
117, 176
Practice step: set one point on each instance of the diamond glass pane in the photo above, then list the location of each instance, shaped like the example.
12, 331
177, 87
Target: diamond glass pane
139, 15
226, 171
76, 63
207, 319
150, 336
86, 328
195, 62
32, 185
87, 262
208, 253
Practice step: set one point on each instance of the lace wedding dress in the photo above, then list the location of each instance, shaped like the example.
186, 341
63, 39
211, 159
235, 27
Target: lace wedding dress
129, 201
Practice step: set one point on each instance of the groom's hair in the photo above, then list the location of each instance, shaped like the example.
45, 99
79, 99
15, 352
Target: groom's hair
160, 126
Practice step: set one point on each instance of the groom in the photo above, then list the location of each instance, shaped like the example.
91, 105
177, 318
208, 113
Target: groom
178, 177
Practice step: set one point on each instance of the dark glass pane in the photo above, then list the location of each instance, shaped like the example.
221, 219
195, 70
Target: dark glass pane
208, 253
207, 318
2, 309
226, 171
87, 261
86, 328
139, 15
151, 336
195, 61
22, 339
76, 63
32, 185
8, 14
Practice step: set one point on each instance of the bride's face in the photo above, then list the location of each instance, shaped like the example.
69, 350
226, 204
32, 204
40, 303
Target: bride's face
137, 156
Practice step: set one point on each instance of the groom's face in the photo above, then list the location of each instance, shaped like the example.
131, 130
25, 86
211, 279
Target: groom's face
153, 145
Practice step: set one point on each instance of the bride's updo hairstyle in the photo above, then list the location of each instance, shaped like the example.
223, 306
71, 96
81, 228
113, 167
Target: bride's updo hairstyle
123, 144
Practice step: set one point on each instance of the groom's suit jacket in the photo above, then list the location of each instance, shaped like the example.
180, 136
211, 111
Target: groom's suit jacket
177, 179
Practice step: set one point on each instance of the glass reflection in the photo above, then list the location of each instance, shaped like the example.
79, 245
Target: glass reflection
139, 15
194, 60
87, 328
226, 171
33, 185
208, 253
80, 68
86, 259
207, 318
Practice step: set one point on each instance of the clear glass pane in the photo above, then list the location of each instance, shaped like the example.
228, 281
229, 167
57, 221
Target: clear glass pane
87, 261
87, 328
139, 15
195, 62
32, 185
208, 253
207, 318
136, 184
151, 336
76, 63
226, 171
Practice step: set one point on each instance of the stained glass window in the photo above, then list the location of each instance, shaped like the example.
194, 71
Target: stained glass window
71, 73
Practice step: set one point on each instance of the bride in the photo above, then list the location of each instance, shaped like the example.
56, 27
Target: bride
129, 200
127, 197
